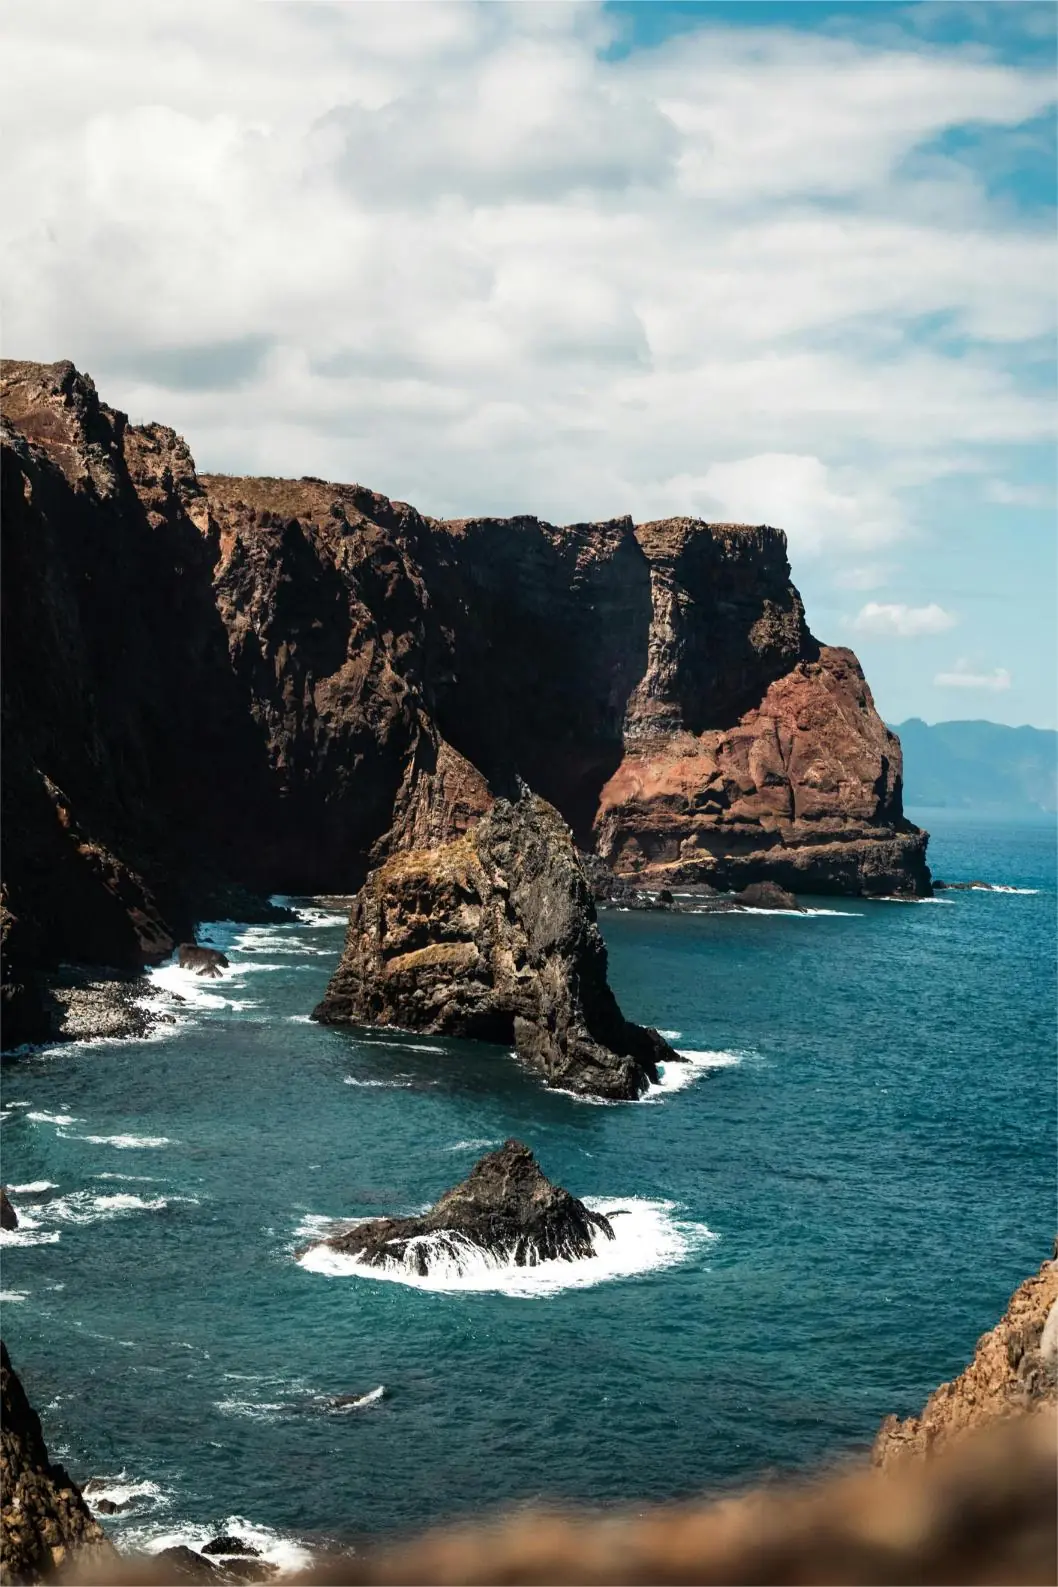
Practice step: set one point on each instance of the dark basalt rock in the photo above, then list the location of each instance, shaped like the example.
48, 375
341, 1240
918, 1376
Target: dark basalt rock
183, 1564
204, 961
506, 1207
227, 1544
963, 887
8, 1215
46, 1523
767, 895
494, 937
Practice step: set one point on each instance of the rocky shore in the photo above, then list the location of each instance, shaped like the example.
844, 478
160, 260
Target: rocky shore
1014, 1371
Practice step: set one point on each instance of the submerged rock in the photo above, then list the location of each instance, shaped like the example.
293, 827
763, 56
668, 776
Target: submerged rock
8, 1215
506, 1208
204, 961
493, 936
46, 1523
183, 1564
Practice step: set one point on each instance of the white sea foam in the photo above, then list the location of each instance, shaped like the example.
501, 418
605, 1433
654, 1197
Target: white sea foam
1003, 887
797, 914
121, 1490
139, 1179
84, 1206
471, 1146
378, 1085
13, 1295
122, 1142
251, 1410
372, 1397
28, 1233
321, 917
288, 1554
36, 1187
675, 1076
647, 1236
54, 1118
671, 1035
299, 1019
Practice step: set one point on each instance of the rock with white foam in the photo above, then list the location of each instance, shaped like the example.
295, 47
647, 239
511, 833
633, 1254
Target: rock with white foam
506, 1208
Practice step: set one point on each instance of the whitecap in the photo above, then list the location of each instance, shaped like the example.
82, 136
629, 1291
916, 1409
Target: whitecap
123, 1142
84, 1206
298, 1019
1004, 887
472, 1146
36, 1187
13, 1295
671, 1035
797, 914
139, 1179
251, 1410
54, 1118
372, 1397
379, 1085
647, 1237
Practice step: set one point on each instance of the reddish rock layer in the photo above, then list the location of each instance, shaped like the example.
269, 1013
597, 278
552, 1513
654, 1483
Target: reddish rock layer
1014, 1371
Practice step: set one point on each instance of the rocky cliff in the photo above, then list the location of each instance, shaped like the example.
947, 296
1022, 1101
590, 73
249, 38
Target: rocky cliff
1014, 1371
214, 683
46, 1523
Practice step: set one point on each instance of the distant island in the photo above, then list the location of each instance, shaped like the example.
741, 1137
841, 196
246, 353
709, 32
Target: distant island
980, 766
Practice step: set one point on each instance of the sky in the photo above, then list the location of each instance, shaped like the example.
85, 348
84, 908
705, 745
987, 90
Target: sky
764, 262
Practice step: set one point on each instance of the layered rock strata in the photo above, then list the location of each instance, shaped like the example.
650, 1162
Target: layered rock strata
45, 1521
506, 1208
216, 687
1014, 1371
493, 936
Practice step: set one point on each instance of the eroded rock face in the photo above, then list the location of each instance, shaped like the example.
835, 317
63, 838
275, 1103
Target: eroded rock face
506, 1207
493, 936
1014, 1370
203, 961
46, 1523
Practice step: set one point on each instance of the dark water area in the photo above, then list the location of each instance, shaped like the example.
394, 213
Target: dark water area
820, 1222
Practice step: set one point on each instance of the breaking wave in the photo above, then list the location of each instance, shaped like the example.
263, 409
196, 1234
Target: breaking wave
120, 1490
124, 1143
473, 1146
675, 1076
647, 1237
289, 1555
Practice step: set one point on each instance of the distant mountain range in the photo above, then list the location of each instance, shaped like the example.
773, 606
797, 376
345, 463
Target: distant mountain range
979, 766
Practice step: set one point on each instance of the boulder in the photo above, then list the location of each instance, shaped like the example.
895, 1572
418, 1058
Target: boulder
8, 1215
203, 961
493, 936
226, 1544
183, 1564
506, 1208
767, 895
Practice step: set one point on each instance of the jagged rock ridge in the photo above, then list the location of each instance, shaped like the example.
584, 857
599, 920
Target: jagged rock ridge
506, 1208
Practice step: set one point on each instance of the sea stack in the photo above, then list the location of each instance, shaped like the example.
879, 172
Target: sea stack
506, 1208
493, 936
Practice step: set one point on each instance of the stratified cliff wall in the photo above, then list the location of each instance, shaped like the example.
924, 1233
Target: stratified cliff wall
276, 683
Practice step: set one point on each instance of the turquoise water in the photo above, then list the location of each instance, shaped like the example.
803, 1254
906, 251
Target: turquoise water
819, 1224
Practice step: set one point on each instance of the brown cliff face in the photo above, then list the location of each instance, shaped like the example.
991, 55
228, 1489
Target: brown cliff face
493, 936
752, 753
45, 1522
217, 682
1014, 1370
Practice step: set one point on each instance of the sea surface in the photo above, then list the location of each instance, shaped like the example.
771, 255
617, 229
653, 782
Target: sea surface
817, 1223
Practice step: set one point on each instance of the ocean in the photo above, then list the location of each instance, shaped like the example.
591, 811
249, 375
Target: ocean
819, 1216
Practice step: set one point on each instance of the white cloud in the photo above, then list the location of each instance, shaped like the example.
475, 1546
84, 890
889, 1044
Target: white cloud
1007, 495
963, 677
456, 253
896, 621
865, 576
